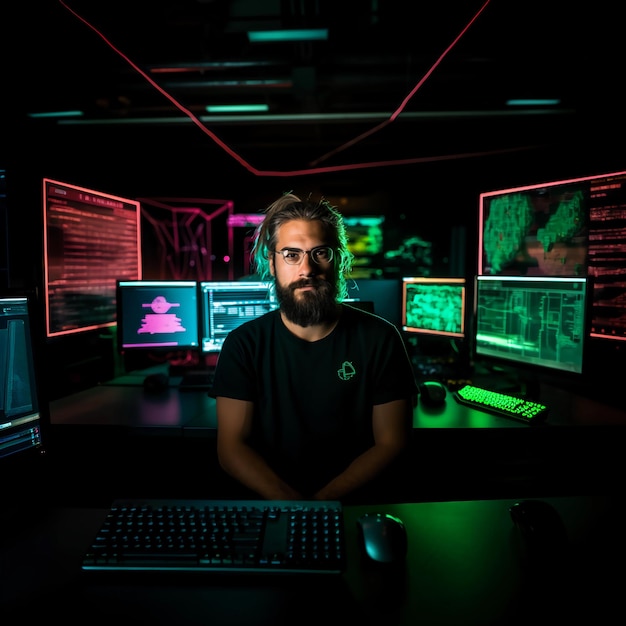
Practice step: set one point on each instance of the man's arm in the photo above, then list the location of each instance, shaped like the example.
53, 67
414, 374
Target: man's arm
237, 458
392, 424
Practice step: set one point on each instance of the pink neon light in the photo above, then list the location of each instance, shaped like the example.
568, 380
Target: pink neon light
187, 231
312, 170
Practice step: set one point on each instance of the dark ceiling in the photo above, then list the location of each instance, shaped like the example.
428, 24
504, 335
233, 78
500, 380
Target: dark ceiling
148, 68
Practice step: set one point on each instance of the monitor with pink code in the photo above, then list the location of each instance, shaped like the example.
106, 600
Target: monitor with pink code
159, 315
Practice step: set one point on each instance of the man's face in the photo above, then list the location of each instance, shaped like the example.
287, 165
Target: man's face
306, 292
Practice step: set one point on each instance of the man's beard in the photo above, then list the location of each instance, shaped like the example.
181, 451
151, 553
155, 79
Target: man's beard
310, 307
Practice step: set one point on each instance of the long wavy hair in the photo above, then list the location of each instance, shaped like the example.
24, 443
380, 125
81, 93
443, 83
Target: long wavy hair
290, 207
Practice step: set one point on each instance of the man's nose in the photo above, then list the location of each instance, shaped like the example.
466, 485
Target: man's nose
308, 265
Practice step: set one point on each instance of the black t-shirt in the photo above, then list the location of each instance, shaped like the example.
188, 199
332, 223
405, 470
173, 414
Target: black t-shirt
313, 400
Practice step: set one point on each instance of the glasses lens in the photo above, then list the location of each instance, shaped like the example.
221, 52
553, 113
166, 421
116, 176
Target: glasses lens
292, 257
322, 254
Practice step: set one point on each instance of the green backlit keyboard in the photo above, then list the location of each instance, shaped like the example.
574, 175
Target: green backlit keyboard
502, 404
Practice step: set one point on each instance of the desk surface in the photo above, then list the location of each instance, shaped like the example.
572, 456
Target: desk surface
465, 565
124, 402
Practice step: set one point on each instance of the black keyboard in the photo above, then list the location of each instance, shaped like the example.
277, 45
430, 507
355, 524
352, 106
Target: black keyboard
252, 536
502, 404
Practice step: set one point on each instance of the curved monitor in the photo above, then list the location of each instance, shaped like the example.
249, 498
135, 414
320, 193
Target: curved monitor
157, 315
532, 321
434, 306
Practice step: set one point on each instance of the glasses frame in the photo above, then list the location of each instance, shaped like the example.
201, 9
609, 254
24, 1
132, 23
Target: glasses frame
312, 252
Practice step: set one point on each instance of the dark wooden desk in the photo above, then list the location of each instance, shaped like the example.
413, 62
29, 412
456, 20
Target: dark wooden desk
465, 566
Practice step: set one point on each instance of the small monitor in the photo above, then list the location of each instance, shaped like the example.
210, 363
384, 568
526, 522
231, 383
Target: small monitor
225, 305
157, 315
535, 322
366, 241
434, 306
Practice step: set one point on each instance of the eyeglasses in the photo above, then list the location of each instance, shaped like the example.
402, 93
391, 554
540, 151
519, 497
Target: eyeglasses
321, 255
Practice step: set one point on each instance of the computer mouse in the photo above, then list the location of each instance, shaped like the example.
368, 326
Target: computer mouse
382, 537
156, 383
432, 393
540, 525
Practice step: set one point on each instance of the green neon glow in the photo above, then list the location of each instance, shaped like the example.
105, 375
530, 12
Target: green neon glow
309, 117
56, 114
523, 102
306, 34
238, 108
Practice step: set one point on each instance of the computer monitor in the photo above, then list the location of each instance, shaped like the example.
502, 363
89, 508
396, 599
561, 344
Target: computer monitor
434, 306
20, 418
365, 235
24, 416
157, 315
225, 305
91, 239
566, 227
384, 293
537, 323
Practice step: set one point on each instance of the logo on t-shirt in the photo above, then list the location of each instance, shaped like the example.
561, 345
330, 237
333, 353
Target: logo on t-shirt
346, 371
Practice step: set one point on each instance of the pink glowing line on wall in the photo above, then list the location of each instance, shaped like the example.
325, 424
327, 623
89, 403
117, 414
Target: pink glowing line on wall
312, 170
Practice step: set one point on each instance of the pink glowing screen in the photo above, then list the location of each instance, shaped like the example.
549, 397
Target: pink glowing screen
157, 314
91, 240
